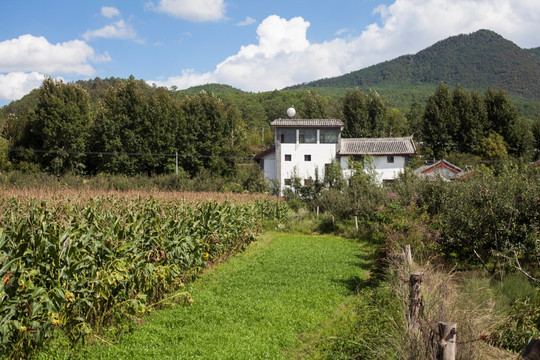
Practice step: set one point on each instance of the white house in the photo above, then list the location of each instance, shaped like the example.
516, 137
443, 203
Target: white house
306, 146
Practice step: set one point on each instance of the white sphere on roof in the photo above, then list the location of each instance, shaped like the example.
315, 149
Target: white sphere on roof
291, 112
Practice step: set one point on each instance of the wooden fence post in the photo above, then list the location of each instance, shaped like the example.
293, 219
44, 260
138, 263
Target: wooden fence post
356, 222
532, 350
407, 256
447, 341
415, 298
317, 212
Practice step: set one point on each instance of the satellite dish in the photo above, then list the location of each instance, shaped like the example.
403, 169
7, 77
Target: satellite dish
291, 112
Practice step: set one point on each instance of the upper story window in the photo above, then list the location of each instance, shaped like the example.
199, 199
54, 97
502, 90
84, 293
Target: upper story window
287, 136
288, 157
307, 136
307, 157
328, 136
390, 159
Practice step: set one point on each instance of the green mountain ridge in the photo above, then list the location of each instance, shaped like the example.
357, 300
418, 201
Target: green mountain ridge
479, 60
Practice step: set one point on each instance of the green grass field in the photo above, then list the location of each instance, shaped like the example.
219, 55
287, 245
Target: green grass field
258, 305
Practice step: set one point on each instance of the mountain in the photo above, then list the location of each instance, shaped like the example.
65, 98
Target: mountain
475, 61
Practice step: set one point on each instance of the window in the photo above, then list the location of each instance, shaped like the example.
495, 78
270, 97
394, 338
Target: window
328, 136
358, 158
307, 136
307, 157
287, 182
288, 157
390, 159
287, 136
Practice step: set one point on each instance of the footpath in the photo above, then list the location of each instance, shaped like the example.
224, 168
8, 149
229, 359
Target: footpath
257, 305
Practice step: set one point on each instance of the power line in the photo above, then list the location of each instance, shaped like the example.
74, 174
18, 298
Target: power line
108, 153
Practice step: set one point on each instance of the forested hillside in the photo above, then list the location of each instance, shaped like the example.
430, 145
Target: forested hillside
476, 61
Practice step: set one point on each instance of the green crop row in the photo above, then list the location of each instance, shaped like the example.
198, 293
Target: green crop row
77, 267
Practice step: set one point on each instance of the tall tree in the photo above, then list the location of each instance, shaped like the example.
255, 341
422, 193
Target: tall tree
377, 110
414, 120
535, 129
438, 118
60, 126
213, 130
356, 115
504, 119
165, 131
120, 129
395, 124
314, 106
476, 129
463, 114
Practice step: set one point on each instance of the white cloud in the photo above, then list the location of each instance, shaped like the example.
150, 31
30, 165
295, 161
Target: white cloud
117, 30
15, 85
192, 10
248, 21
283, 56
188, 79
29, 53
109, 12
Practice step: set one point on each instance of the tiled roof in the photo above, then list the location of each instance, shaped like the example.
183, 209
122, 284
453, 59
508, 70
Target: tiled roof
264, 153
378, 146
307, 123
441, 163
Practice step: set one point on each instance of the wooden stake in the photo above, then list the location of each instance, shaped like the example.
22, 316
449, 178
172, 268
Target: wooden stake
317, 211
356, 222
415, 299
532, 350
447, 341
407, 256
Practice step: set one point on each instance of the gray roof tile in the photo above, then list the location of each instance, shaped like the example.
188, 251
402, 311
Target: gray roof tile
307, 123
378, 146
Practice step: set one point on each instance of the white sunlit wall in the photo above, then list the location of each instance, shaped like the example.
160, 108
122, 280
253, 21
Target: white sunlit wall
300, 158
387, 167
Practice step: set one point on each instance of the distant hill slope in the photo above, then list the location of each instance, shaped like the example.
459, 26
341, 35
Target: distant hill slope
477, 60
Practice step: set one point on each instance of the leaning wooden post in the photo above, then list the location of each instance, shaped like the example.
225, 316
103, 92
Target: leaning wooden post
415, 298
447, 341
532, 350
407, 256
356, 222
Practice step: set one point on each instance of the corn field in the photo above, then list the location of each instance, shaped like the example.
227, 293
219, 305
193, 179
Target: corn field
79, 265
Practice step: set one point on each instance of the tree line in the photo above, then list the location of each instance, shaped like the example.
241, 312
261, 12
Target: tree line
127, 127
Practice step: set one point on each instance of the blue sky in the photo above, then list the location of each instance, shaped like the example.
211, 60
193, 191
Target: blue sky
252, 45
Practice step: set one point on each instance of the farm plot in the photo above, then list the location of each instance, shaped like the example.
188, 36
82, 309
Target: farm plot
76, 266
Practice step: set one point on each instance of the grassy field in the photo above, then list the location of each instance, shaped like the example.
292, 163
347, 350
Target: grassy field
259, 305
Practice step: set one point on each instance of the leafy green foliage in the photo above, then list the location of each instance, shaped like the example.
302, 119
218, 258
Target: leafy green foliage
79, 267
521, 326
60, 123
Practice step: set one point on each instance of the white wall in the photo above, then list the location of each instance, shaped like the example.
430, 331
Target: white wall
270, 166
321, 154
384, 169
